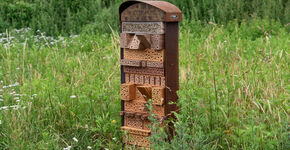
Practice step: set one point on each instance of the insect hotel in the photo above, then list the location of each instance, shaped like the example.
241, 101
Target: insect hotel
149, 66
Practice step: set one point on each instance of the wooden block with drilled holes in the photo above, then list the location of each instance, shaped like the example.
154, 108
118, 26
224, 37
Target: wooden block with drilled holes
128, 91
158, 95
136, 140
146, 55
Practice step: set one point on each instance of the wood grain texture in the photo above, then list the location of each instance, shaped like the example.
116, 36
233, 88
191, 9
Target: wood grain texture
142, 12
143, 27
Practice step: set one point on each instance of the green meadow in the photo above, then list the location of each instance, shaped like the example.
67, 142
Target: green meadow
60, 78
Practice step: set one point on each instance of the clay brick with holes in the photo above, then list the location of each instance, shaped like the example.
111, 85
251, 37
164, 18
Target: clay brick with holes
128, 91
146, 55
135, 106
158, 95
136, 140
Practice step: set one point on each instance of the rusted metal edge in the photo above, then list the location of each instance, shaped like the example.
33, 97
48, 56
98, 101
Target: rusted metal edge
173, 14
171, 71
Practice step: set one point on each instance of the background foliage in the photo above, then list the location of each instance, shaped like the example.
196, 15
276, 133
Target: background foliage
74, 16
60, 78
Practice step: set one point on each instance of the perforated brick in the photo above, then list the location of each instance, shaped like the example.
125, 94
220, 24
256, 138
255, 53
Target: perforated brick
137, 140
144, 71
128, 91
136, 106
147, 54
157, 95
158, 110
134, 122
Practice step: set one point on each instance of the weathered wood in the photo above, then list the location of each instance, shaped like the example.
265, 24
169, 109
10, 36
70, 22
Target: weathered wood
143, 27
142, 12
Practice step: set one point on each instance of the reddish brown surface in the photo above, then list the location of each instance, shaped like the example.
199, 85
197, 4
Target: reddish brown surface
167, 8
149, 63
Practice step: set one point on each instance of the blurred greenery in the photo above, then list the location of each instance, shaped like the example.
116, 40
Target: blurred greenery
66, 17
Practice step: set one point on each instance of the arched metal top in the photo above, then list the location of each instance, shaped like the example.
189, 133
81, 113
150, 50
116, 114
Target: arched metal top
172, 13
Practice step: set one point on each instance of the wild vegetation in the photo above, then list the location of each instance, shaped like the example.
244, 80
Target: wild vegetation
59, 83
65, 17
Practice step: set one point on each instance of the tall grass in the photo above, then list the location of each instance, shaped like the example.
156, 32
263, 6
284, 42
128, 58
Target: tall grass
234, 89
68, 17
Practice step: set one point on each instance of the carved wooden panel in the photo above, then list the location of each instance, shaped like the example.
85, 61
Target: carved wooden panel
142, 12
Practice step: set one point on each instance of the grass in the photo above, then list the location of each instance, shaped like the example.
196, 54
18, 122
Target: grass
234, 89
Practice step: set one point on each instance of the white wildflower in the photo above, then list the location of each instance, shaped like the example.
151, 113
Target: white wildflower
89, 147
114, 139
34, 95
17, 68
73, 96
4, 108
75, 139
0, 122
68, 148
17, 101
